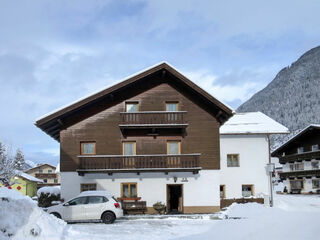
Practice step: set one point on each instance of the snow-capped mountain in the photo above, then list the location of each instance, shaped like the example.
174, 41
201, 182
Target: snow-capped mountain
293, 96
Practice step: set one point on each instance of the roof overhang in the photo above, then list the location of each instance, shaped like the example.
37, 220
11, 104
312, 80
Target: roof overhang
53, 122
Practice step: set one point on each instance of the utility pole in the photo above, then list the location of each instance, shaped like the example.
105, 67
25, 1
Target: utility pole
270, 170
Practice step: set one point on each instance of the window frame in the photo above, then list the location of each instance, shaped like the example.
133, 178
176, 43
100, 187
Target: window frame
315, 145
55, 180
49, 170
133, 102
45, 180
87, 184
135, 147
297, 180
172, 141
232, 159
86, 142
223, 191
129, 190
251, 192
301, 150
172, 102
317, 179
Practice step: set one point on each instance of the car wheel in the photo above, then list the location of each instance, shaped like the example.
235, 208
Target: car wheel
57, 215
108, 218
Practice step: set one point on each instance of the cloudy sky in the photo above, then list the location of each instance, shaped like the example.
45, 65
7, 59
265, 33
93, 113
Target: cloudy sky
54, 52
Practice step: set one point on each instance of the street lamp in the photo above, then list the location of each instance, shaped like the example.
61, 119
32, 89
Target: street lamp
270, 170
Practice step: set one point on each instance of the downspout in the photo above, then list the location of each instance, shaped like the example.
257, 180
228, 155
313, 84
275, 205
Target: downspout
270, 173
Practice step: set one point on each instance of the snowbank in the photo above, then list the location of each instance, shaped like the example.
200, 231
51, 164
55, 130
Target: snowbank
55, 190
21, 218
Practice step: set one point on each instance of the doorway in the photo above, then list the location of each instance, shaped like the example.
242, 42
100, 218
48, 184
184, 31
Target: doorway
174, 198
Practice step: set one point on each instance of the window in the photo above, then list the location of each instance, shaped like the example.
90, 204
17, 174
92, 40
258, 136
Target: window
315, 147
45, 180
233, 160
88, 187
97, 199
247, 190
173, 147
222, 191
40, 171
129, 148
296, 184
315, 183
132, 107
315, 165
49, 171
300, 149
55, 180
296, 166
88, 148
129, 190
78, 201
172, 107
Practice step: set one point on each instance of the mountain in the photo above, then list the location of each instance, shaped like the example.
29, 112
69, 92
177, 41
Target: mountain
293, 96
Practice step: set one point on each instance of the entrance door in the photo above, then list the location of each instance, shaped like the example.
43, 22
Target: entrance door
174, 198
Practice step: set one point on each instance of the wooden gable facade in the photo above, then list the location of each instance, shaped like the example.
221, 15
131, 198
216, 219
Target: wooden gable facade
103, 121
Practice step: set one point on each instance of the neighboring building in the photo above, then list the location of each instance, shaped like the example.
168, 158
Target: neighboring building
153, 137
47, 173
25, 184
300, 157
244, 141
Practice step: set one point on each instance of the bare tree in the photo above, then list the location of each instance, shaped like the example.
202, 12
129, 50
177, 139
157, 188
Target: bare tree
7, 168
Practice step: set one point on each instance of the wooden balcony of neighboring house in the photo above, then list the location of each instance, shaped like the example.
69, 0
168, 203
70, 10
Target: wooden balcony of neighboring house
153, 120
45, 175
300, 174
139, 163
300, 157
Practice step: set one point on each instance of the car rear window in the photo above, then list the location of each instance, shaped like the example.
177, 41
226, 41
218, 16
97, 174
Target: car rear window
97, 199
115, 199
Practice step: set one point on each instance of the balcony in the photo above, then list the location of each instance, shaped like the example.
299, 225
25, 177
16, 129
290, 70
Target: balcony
303, 173
158, 119
45, 175
139, 163
300, 157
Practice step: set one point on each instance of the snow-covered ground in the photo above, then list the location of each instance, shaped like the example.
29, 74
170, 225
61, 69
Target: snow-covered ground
293, 217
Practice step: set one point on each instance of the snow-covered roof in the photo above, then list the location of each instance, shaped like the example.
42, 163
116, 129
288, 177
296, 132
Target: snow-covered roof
28, 177
252, 123
294, 137
40, 165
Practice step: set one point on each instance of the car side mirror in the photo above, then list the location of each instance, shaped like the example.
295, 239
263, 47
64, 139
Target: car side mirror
66, 204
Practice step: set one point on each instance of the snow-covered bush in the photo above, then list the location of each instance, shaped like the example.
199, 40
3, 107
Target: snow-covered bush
21, 218
47, 195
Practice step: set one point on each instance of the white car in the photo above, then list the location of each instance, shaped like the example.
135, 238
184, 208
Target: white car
89, 205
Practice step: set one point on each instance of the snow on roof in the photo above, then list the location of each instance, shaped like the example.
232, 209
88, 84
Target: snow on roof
250, 123
96, 193
295, 136
58, 168
117, 82
28, 177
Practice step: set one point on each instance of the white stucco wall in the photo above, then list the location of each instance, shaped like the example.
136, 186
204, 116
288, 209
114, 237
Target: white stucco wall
201, 189
253, 156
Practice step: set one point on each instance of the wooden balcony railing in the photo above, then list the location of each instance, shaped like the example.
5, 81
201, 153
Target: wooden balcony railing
158, 118
300, 156
303, 173
139, 163
45, 175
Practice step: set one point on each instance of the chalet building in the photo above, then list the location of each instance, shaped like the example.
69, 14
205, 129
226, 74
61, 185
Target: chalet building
47, 173
245, 144
300, 157
153, 137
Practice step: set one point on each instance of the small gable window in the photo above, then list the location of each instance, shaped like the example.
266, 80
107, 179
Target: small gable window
132, 107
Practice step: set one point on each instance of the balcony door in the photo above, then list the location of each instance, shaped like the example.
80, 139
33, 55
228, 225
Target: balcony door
174, 149
129, 150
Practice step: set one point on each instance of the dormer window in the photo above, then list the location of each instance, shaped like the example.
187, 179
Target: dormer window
300, 149
132, 107
172, 106
315, 147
